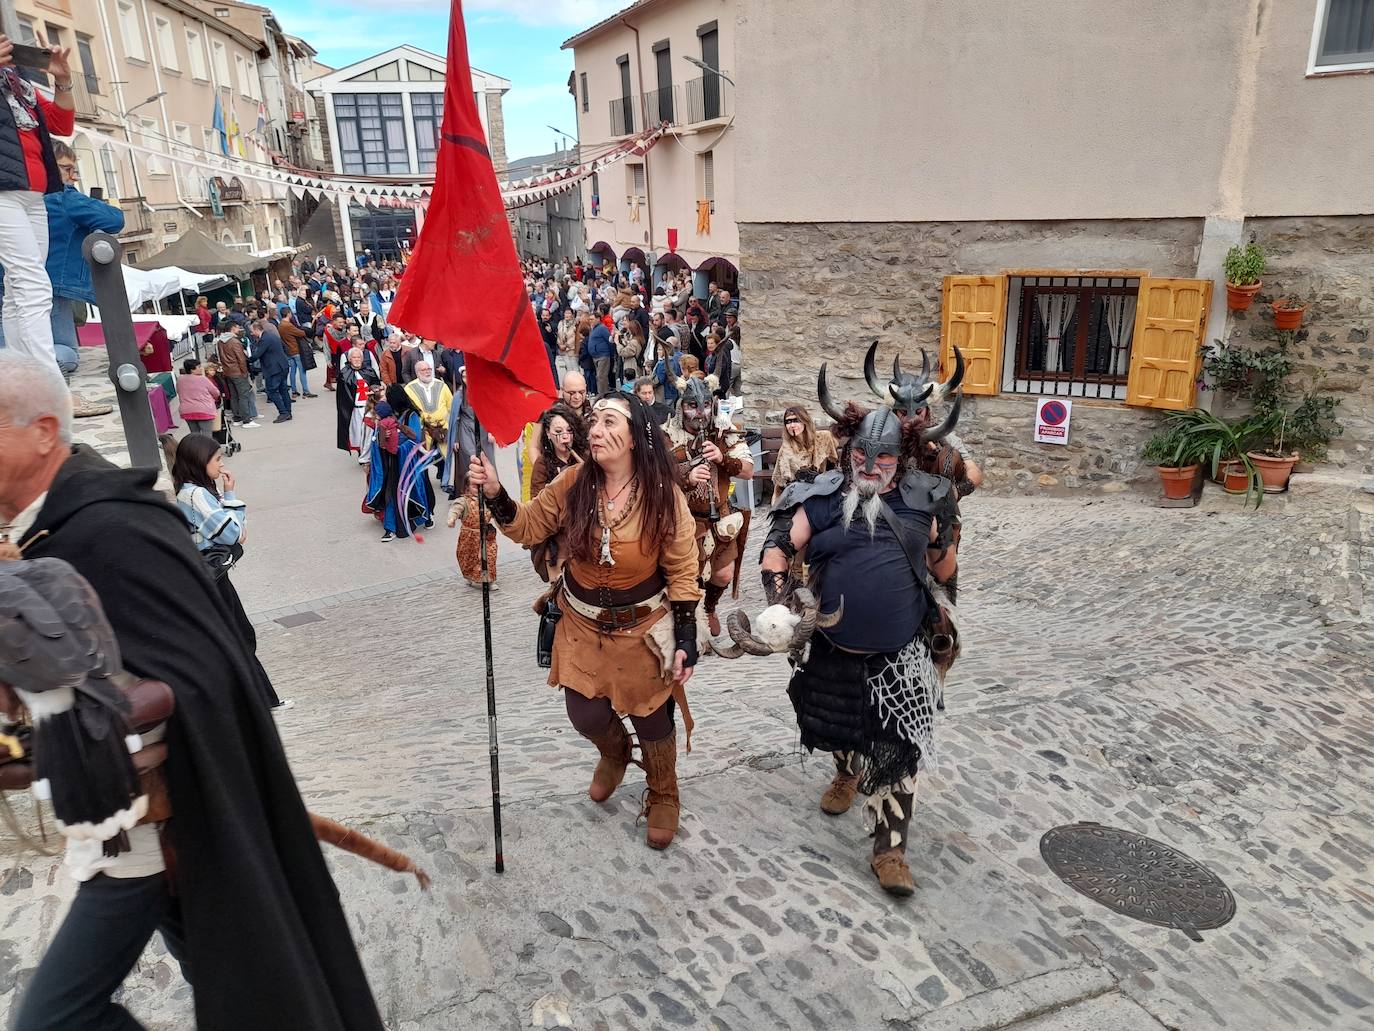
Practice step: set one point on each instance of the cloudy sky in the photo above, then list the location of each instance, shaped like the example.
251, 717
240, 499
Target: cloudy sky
515, 39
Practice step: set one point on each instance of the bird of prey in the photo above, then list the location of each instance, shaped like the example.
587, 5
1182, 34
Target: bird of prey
59, 654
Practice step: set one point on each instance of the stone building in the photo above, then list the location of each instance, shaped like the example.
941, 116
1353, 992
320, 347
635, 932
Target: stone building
1061, 216
382, 116
674, 208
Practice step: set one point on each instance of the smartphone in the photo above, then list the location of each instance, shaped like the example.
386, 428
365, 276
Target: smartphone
26, 56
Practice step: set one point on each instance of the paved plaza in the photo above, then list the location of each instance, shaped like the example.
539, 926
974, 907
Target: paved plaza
1200, 677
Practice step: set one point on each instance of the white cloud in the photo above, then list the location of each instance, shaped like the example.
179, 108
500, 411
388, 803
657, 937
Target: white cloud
538, 96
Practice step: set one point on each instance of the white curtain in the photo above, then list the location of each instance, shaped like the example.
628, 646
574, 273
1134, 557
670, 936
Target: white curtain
1120, 326
1056, 311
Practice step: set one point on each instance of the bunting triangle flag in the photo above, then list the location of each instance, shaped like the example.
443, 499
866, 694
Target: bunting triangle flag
463, 285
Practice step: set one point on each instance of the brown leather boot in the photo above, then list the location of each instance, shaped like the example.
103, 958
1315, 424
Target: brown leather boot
661, 799
839, 796
614, 745
889, 844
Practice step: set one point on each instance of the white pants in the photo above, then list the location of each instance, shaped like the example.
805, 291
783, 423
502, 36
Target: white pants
28, 291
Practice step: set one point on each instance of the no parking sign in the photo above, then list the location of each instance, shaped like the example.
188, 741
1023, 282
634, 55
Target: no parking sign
1052, 420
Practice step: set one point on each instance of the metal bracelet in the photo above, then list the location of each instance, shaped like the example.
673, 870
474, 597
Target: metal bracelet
63, 89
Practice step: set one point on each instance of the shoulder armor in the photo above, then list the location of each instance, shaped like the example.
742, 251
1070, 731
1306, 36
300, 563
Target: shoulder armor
924, 491
824, 485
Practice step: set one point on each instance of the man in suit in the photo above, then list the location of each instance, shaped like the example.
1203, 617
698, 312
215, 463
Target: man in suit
271, 356
444, 363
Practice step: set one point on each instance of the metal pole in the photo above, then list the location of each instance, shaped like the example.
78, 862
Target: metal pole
101, 251
493, 748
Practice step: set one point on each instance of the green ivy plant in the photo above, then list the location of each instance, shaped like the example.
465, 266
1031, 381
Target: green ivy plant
1244, 265
1312, 426
1256, 376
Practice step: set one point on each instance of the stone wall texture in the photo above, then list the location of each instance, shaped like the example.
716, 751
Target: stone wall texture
1328, 263
823, 291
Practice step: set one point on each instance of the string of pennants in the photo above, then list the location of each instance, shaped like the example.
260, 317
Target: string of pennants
515, 194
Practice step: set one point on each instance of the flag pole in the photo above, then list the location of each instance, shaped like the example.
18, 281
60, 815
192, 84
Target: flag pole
493, 746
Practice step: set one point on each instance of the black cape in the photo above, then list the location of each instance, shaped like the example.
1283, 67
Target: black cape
269, 946
346, 394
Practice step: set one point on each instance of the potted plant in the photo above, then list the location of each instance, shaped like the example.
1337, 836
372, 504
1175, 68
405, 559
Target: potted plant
1223, 447
1288, 315
1312, 425
1171, 452
1272, 462
1244, 266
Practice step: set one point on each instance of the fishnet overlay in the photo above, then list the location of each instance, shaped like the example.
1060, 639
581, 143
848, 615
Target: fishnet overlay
904, 692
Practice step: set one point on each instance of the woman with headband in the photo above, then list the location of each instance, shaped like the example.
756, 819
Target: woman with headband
627, 639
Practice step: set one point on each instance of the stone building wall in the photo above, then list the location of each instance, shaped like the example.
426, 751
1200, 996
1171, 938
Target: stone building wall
823, 291
1328, 263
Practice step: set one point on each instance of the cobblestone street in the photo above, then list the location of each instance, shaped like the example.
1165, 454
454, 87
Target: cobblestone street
1183, 674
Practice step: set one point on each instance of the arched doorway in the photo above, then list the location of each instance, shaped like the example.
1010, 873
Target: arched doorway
599, 253
719, 271
634, 258
667, 265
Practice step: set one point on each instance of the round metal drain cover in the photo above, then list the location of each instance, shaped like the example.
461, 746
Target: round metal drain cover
1138, 877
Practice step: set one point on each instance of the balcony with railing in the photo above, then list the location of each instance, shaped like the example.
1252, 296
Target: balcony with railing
663, 106
626, 118
708, 98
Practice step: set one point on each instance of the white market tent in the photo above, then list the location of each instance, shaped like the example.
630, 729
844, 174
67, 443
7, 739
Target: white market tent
144, 285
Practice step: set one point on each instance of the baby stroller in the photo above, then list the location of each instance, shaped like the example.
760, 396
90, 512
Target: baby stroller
224, 434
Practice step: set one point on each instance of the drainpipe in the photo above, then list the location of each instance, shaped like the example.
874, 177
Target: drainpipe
648, 185
119, 98
154, 60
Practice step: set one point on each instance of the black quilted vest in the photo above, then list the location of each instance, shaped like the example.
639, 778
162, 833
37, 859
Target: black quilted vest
14, 174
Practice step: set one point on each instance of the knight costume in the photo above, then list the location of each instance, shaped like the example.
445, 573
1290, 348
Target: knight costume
718, 524
866, 686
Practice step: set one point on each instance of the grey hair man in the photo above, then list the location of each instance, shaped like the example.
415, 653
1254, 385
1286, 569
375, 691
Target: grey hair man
35, 437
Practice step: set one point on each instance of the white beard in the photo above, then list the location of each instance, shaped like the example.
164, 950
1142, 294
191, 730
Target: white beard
866, 495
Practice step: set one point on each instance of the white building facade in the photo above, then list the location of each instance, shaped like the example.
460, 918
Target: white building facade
383, 115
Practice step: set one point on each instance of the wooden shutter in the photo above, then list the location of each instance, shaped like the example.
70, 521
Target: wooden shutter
973, 310
1166, 351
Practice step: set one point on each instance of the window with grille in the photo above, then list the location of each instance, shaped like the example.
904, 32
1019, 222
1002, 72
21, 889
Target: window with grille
427, 115
1072, 335
586, 98
706, 178
1344, 37
371, 133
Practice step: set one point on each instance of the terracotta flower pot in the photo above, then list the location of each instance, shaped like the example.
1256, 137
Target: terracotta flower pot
1234, 478
1239, 298
1288, 319
1177, 480
1274, 472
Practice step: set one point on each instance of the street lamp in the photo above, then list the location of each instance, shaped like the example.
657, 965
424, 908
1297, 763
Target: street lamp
707, 68
144, 103
566, 135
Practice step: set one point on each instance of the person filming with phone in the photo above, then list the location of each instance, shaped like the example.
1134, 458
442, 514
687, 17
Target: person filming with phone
28, 170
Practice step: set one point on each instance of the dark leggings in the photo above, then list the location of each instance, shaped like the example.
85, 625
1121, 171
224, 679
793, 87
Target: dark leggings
591, 716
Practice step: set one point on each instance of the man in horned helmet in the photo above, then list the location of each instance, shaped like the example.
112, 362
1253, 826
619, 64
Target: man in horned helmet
710, 452
865, 687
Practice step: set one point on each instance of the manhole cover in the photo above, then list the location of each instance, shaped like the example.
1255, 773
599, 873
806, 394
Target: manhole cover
1138, 877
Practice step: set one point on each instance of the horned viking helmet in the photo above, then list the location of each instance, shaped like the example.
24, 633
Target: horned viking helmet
880, 433
909, 394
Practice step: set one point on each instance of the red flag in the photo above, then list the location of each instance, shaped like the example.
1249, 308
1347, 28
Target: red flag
463, 284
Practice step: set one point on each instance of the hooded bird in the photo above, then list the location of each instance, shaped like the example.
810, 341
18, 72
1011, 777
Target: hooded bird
60, 656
